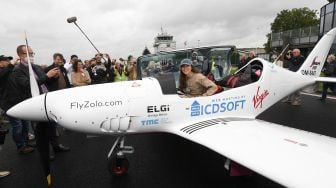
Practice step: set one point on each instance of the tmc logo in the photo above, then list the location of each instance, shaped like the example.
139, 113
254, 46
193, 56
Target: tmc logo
150, 122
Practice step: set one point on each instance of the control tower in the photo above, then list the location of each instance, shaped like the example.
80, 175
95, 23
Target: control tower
164, 42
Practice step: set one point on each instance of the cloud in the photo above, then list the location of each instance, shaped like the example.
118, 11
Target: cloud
123, 27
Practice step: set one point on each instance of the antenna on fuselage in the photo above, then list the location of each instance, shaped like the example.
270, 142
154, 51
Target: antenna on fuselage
283, 51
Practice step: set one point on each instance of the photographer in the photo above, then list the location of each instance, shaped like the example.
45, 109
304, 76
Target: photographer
97, 72
60, 80
295, 61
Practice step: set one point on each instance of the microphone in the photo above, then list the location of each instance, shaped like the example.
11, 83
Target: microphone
72, 19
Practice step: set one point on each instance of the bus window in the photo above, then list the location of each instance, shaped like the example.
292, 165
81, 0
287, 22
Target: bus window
220, 61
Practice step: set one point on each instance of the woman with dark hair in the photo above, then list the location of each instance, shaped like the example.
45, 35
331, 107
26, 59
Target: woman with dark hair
193, 83
79, 76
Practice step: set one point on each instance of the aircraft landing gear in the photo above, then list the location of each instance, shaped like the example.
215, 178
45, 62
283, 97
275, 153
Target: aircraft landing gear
117, 162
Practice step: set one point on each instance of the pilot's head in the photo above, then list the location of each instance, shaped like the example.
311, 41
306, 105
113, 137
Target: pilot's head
186, 66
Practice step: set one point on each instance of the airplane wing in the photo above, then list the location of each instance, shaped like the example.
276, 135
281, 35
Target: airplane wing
325, 79
291, 157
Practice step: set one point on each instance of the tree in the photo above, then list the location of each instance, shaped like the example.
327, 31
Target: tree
291, 19
146, 51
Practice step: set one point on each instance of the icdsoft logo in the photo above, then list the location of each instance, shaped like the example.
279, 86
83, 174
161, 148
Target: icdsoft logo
218, 106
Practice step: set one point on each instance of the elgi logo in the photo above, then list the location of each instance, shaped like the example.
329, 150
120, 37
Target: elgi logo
162, 108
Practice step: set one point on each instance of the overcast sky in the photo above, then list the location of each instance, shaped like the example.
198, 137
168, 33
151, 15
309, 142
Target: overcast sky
123, 27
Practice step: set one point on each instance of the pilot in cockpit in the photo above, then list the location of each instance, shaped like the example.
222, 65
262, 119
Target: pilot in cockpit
247, 75
193, 83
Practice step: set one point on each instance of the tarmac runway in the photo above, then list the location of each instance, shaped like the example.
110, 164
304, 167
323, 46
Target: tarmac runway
160, 160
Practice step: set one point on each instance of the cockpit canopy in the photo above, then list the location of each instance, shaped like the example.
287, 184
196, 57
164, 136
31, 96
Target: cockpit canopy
164, 66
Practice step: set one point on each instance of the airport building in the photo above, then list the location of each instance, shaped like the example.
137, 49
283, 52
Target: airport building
306, 38
164, 42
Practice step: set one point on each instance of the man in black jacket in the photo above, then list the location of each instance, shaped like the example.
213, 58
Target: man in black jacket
61, 81
9, 96
20, 73
5, 71
295, 61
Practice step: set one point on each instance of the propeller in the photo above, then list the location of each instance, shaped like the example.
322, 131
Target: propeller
41, 132
34, 89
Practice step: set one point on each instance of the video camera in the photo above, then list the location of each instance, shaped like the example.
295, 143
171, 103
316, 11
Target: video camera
290, 53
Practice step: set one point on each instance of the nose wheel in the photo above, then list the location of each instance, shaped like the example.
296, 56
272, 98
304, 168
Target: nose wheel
118, 164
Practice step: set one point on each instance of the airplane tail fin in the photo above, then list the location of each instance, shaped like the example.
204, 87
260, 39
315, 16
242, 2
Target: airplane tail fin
314, 63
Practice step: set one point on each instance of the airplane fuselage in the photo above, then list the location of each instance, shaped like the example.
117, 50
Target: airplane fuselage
139, 106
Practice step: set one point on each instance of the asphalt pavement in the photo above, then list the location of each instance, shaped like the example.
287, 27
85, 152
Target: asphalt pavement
160, 160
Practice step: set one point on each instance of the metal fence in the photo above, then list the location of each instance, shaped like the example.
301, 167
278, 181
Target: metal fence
306, 35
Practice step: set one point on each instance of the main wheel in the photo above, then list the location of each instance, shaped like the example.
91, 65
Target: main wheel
117, 165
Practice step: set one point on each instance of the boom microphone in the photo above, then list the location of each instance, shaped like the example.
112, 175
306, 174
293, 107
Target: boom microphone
72, 19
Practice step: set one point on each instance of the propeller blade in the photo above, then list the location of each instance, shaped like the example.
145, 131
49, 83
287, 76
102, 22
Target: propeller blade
34, 89
42, 129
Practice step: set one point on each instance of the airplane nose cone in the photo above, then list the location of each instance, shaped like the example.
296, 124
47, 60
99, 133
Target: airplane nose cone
32, 109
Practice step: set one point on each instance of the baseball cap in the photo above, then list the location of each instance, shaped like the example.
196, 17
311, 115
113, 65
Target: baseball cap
186, 62
5, 58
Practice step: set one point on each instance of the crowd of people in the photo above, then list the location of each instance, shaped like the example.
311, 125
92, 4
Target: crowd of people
15, 88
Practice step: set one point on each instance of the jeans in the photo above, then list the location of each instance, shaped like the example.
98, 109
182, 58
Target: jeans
20, 130
2, 138
332, 86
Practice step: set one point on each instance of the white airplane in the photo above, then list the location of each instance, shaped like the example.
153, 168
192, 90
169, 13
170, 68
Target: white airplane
225, 122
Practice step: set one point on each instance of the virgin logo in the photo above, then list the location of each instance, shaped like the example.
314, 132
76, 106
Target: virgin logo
259, 97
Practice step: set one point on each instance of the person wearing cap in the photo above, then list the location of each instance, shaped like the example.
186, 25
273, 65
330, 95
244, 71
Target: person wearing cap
193, 83
5, 101
9, 97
